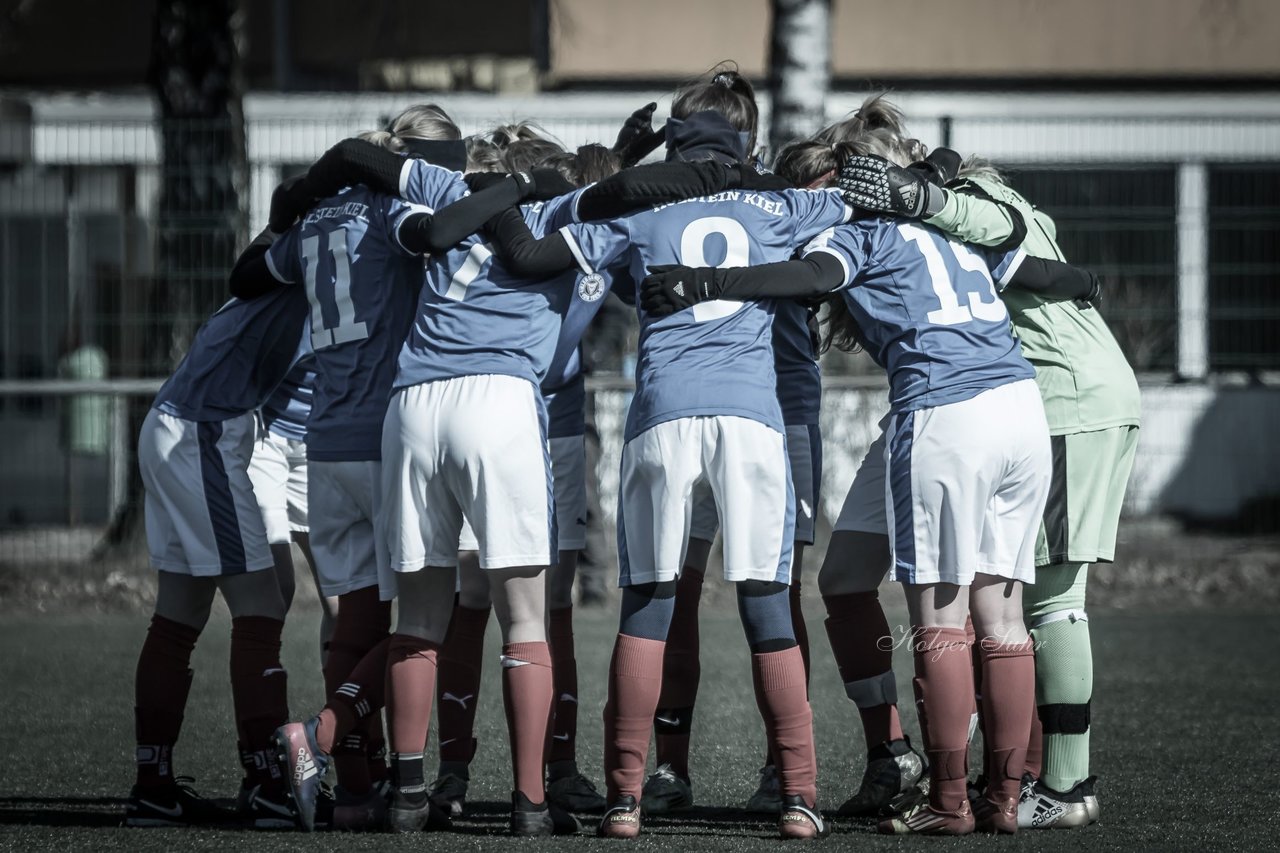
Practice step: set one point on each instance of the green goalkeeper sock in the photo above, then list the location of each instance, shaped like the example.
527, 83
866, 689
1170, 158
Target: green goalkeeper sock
1064, 686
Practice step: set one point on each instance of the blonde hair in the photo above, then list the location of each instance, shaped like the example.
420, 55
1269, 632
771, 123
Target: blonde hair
876, 113
482, 155
420, 121
979, 167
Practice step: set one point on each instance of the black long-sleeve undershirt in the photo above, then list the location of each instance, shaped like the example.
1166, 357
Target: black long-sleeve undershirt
660, 183
250, 277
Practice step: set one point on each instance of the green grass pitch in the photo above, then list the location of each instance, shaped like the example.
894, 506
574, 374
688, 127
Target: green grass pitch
1185, 739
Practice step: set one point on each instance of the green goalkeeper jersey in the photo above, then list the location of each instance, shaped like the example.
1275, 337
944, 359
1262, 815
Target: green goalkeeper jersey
1084, 378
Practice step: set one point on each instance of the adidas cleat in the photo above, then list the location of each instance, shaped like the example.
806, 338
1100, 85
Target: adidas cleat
304, 766
415, 813
173, 804
894, 769
768, 796
800, 822
924, 819
664, 792
449, 793
1044, 808
544, 818
575, 793
359, 813
621, 820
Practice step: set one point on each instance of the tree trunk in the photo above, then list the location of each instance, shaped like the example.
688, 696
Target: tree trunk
799, 69
197, 79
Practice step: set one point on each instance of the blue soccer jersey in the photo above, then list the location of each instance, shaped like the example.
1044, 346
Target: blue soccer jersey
362, 285
474, 317
715, 358
795, 360
238, 357
928, 310
286, 411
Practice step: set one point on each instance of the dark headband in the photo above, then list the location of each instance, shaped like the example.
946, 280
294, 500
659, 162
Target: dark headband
449, 153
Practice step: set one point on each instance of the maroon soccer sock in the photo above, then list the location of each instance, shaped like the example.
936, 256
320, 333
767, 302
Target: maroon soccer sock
346, 721
527, 691
260, 694
944, 691
410, 687
681, 672
458, 688
1035, 745
362, 624
782, 696
635, 682
863, 649
161, 685
1008, 699
562, 743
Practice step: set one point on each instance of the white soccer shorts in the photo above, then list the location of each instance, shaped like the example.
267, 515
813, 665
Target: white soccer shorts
968, 483
279, 474
804, 451
569, 471
346, 539
202, 518
743, 462
471, 448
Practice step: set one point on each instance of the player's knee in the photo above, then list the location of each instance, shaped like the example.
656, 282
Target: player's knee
1057, 588
647, 609
855, 562
765, 608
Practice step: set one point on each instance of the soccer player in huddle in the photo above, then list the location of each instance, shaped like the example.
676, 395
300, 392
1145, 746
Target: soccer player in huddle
1091, 400
955, 375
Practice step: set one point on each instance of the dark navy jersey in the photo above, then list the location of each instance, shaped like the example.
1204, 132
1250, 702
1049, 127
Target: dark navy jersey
928, 310
715, 358
238, 357
362, 285
566, 408
795, 360
286, 411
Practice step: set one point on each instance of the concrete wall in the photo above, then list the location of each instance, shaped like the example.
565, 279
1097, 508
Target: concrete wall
1007, 39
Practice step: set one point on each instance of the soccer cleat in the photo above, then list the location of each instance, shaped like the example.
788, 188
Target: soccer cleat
575, 793
800, 822
174, 804
304, 766
924, 819
664, 792
893, 770
359, 813
768, 796
267, 812
995, 815
415, 813
621, 820
544, 818
449, 793
1044, 808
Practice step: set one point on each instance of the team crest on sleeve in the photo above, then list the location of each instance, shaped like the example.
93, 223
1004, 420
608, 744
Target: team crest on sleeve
591, 287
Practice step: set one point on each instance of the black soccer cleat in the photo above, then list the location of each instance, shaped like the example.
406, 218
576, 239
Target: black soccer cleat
893, 770
799, 822
174, 804
545, 818
415, 813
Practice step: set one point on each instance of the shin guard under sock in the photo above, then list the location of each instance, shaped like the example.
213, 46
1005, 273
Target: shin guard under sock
863, 648
944, 693
782, 696
681, 673
458, 687
1008, 678
562, 741
260, 695
410, 688
635, 682
527, 692
161, 686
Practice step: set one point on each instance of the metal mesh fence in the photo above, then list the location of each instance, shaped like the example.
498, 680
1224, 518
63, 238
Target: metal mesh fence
106, 268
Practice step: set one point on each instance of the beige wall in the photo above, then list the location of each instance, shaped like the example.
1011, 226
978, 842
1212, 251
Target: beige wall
652, 39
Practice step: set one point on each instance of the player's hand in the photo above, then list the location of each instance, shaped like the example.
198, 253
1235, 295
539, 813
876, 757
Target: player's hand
290, 200
940, 167
749, 178
548, 184
873, 183
1094, 298
477, 181
669, 288
637, 139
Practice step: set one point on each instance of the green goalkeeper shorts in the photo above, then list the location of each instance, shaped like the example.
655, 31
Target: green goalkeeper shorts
1090, 473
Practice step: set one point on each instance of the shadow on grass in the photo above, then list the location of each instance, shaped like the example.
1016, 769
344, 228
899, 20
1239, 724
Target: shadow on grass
62, 811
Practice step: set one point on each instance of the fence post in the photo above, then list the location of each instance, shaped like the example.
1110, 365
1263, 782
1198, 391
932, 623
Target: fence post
118, 455
1193, 270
